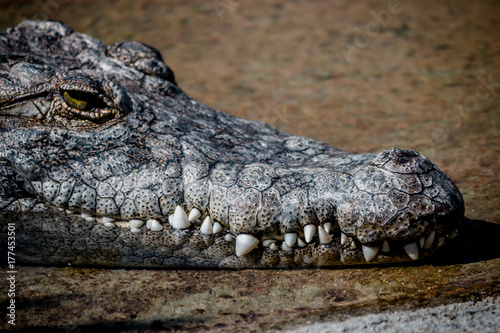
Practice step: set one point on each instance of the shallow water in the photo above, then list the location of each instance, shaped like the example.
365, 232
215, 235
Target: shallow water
429, 81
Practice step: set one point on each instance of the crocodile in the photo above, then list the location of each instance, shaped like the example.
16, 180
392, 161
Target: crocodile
105, 161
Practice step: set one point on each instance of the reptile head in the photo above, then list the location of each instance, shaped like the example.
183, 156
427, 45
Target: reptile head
105, 161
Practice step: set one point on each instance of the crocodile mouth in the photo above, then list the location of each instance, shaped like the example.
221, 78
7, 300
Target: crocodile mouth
192, 238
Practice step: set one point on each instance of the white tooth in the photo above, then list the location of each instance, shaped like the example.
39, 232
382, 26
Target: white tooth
429, 240
60, 209
171, 219
285, 247
308, 259
194, 214
385, 246
412, 250
105, 219
109, 224
228, 238
245, 243
69, 211
273, 247
87, 217
327, 226
353, 245
301, 243
343, 238
324, 237
309, 231
369, 252
421, 242
180, 220
155, 225
135, 230
217, 227
207, 227
290, 239
268, 242
136, 224
441, 240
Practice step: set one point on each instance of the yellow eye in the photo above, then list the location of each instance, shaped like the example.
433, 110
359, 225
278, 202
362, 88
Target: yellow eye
80, 100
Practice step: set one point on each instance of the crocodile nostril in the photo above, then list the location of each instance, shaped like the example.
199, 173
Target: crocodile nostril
402, 161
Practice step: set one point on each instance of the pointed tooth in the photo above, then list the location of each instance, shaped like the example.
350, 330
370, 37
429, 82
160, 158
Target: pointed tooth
429, 240
60, 209
207, 227
411, 250
327, 226
385, 246
421, 242
308, 259
301, 243
135, 223
245, 243
369, 252
217, 227
109, 224
324, 237
290, 239
135, 230
285, 247
353, 245
228, 238
441, 240
343, 238
148, 223
69, 212
171, 219
268, 242
309, 231
105, 219
87, 217
194, 214
273, 247
155, 225
180, 220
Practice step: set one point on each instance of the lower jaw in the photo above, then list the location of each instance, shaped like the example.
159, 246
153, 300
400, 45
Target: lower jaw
72, 240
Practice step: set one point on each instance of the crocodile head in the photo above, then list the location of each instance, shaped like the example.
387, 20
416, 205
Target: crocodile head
105, 161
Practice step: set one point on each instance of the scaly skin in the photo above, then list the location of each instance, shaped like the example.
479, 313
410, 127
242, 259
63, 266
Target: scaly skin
95, 140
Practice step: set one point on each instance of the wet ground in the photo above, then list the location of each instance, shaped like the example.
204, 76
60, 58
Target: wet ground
362, 76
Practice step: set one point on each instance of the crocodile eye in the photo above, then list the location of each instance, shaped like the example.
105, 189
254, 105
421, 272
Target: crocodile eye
80, 100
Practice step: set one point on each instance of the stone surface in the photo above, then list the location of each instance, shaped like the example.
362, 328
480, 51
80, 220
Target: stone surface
464, 317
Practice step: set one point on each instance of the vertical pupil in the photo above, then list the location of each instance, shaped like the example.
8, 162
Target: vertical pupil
78, 99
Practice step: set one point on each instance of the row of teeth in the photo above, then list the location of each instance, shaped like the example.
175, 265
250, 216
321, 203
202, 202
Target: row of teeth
245, 243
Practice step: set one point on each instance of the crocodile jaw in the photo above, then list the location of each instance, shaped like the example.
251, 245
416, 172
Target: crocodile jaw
104, 131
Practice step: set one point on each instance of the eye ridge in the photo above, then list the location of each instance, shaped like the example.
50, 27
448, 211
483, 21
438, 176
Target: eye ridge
81, 100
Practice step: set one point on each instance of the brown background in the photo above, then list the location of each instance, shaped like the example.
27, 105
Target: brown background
428, 79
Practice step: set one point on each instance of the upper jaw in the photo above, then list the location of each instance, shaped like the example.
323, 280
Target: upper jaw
338, 220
